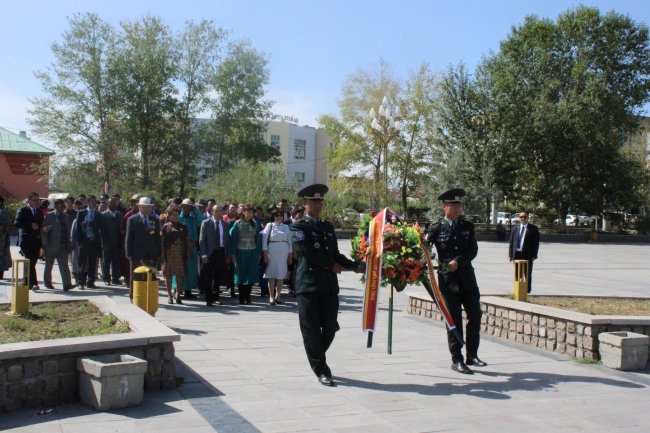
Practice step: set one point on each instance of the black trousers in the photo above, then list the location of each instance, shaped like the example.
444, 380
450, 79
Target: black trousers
470, 301
519, 256
318, 325
87, 261
244, 292
213, 274
32, 253
111, 264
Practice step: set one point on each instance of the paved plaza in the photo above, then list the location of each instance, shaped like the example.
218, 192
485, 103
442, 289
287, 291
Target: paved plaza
245, 370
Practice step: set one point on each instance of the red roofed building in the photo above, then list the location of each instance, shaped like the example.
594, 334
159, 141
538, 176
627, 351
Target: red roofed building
20, 162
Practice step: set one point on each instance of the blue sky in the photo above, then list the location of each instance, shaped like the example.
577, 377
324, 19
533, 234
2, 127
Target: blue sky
312, 46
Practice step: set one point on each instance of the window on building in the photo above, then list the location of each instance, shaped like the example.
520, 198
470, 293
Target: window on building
275, 141
300, 148
299, 176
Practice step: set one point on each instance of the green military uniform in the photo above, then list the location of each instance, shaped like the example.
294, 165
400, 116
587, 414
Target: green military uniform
455, 240
317, 287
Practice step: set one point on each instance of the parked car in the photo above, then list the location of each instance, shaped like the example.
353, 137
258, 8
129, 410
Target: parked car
570, 220
349, 216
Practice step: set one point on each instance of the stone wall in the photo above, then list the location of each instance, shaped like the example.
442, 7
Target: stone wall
43, 373
52, 380
551, 329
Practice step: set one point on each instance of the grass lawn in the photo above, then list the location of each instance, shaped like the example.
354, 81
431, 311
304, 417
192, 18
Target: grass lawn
51, 320
606, 306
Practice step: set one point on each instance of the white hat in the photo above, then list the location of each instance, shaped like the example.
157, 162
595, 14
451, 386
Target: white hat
145, 201
188, 202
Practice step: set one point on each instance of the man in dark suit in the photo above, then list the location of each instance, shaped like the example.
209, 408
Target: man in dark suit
214, 245
56, 244
142, 242
29, 220
456, 247
524, 244
317, 287
112, 242
89, 238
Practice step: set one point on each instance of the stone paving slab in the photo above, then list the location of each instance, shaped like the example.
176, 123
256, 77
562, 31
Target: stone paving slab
245, 370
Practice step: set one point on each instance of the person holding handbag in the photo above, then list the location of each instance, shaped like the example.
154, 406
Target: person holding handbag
277, 254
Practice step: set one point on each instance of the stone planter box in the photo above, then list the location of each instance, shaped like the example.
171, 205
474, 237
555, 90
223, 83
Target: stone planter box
547, 328
111, 381
624, 350
43, 373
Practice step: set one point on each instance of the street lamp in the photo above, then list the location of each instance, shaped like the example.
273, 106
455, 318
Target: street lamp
386, 125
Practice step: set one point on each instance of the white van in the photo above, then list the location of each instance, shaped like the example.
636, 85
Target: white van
56, 196
502, 217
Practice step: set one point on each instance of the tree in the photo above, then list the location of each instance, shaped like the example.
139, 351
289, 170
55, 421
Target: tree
145, 65
467, 135
359, 151
251, 182
79, 110
564, 94
237, 129
414, 157
198, 48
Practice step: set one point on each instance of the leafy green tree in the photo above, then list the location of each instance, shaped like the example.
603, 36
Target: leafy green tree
80, 109
360, 151
199, 48
237, 130
251, 182
415, 158
145, 65
563, 94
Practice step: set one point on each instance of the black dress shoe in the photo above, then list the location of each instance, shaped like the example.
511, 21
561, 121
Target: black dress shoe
476, 362
178, 301
91, 286
189, 296
325, 380
49, 286
460, 367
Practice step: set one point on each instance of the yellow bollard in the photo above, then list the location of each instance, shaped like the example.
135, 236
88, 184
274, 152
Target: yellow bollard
20, 287
145, 289
521, 280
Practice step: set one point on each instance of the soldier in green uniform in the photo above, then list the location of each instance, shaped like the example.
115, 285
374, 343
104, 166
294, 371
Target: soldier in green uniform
317, 288
456, 247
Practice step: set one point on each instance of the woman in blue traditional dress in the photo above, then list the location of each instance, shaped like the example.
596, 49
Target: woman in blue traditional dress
192, 218
246, 250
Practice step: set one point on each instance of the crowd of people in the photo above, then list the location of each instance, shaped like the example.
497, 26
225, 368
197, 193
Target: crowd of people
199, 246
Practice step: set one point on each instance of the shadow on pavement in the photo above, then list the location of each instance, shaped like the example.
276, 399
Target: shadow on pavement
528, 381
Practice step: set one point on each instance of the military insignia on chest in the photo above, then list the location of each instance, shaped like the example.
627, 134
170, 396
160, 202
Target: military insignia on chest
298, 235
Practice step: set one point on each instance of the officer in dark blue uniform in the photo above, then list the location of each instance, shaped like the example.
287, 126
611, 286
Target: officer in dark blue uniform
317, 288
456, 246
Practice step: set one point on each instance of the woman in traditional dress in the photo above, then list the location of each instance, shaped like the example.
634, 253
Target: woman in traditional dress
175, 249
245, 251
276, 247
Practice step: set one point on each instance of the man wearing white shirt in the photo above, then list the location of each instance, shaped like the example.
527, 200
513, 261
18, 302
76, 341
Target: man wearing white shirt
524, 244
214, 247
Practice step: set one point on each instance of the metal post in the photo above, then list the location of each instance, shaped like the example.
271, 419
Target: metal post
390, 321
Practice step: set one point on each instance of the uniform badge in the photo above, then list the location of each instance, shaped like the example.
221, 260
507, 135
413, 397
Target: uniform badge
298, 235
316, 245
465, 233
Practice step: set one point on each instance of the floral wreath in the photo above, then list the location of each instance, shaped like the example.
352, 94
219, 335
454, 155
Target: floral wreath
403, 261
